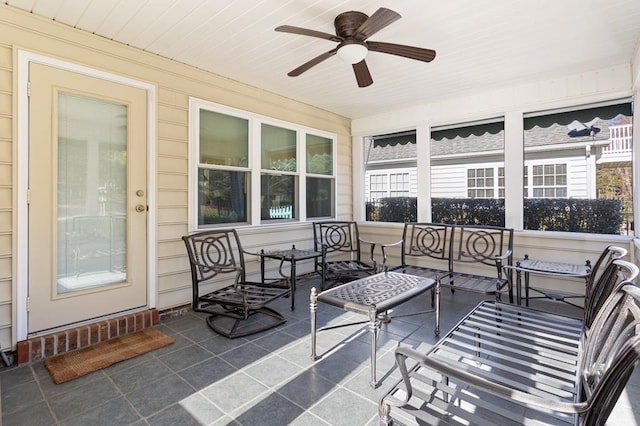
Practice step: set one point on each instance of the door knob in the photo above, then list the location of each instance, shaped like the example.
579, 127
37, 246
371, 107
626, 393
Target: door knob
140, 208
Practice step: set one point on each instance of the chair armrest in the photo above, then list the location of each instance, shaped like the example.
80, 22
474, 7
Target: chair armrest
372, 244
459, 371
362, 240
384, 247
504, 256
500, 261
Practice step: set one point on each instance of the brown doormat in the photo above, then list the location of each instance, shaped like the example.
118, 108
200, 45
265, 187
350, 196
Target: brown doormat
72, 365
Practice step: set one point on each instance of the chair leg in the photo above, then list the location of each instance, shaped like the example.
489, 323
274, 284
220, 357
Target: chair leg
313, 307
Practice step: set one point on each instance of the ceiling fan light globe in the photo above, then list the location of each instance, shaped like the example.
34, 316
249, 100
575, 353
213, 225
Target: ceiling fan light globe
352, 53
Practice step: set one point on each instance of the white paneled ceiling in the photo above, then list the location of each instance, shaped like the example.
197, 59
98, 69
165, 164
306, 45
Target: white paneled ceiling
480, 44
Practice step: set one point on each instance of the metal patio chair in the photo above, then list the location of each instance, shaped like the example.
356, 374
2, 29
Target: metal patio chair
239, 307
340, 244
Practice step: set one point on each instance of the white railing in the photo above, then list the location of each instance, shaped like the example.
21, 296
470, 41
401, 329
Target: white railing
282, 212
620, 138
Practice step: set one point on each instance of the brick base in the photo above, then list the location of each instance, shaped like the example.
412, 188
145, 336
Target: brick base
41, 347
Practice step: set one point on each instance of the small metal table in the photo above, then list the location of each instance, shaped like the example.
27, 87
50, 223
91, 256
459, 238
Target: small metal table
551, 268
292, 256
373, 296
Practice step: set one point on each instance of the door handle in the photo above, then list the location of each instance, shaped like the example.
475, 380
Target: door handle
140, 208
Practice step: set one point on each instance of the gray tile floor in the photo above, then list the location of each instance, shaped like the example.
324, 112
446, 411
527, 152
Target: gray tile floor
265, 379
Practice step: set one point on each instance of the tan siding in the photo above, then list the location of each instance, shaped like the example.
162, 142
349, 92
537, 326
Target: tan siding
5, 220
5, 103
172, 164
171, 231
173, 264
5, 77
169, 97
5, 172
5, 289
171, 248
172, 215
5, 266
5, 199
175, 82
6, 330
177, 131
173, 198
345, 180
173, 148
6, 55
171, 114
172, 181
6, 149
175, 297
174, 280
5, 313
5, 126
5, 244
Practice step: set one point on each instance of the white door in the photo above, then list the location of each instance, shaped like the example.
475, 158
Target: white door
87, 198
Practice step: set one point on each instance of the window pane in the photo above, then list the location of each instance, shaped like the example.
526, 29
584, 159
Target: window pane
464, 162
91, 193
575, 181
399, 185
320, 197
222, 196
277, 196
224, 139
278, 149
390, 169
319, 155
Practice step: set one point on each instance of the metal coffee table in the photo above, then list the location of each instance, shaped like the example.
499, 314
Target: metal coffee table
373, 296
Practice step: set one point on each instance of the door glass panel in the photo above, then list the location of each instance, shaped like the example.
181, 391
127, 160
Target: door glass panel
91, 193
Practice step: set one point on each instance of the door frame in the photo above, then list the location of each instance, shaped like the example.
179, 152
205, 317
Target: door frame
21, 262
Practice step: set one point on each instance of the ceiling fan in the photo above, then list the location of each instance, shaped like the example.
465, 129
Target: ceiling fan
352, 31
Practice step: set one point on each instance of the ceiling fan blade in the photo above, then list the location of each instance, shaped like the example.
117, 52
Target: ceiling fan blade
417, 53
315, 61
307, 32
363, 76
379, 20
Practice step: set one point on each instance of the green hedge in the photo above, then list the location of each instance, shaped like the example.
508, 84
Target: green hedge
572, 215
468, 211
559, 214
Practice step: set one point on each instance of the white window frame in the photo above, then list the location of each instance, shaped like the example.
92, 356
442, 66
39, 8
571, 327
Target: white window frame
254, 167
494, 186
380, 187
531, 187
406, 184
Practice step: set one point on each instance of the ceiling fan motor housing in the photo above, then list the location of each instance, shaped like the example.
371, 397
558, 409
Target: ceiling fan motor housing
348, 22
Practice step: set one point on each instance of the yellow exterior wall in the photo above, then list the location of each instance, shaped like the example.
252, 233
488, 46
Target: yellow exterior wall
175, 82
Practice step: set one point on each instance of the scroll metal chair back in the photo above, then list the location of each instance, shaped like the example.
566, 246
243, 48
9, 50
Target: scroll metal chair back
340, 244
239, 307
426, 240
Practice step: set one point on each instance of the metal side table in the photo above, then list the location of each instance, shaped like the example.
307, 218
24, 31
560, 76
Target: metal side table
550, 268
292, 256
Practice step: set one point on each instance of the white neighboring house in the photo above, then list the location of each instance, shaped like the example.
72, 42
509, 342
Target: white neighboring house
472, 166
